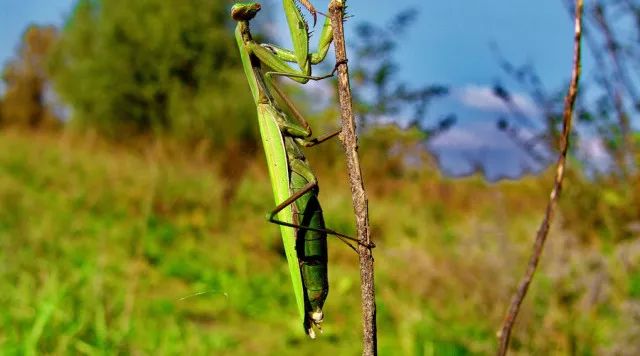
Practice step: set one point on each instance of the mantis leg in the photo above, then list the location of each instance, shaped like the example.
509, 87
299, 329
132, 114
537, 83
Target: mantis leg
266, 56
302, 132
295, 56
297, 195
299, 31
311, 9
318, 140
304, 140
299, 76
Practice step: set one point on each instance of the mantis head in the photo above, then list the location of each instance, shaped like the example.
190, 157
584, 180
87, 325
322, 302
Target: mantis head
245, 11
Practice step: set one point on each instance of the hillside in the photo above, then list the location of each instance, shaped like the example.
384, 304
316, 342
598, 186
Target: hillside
134, 249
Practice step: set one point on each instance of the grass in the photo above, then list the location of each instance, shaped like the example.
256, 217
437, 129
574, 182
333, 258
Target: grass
114, 249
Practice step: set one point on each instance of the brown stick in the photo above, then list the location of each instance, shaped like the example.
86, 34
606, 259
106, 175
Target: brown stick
349, 138
543, 230
612, 85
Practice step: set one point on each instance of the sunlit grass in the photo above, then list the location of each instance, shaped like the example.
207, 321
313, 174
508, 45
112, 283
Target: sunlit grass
131, 250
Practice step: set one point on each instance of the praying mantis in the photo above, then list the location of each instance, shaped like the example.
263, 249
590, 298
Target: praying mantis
294, 184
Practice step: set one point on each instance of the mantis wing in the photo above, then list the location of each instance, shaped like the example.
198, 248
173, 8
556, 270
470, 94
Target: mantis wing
279, 173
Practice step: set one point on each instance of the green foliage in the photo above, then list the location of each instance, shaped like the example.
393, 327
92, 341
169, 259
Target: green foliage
602, 215
153, 65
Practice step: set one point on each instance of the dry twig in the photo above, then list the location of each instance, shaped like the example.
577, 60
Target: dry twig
348, 138
543, 230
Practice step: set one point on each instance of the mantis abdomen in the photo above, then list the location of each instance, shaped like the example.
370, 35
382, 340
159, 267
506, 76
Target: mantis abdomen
311, 245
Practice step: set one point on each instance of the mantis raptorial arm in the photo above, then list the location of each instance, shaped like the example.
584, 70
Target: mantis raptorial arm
276, 56
311, 9
299, 31
279, 66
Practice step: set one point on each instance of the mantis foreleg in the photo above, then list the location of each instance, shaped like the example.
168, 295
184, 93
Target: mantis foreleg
312, 10
275, 56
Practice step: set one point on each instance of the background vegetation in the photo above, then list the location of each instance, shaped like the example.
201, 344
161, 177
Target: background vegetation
133, 192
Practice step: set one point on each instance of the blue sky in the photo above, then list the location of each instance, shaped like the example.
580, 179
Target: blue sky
450, 41
448, 44
16, 15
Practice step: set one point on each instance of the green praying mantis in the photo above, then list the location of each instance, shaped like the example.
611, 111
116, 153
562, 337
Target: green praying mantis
294, 184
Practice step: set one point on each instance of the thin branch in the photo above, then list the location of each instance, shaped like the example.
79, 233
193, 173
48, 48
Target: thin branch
348, 138
543, 230
612, 87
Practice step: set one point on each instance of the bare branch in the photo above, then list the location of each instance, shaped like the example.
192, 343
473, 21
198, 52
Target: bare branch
543, 230
360, 204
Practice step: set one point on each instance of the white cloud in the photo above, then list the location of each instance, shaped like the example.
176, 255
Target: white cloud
272, 29
593, 147
471, 137
456, 138
483, 98
593, 151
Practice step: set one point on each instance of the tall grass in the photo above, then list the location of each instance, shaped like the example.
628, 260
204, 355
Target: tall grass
111, 249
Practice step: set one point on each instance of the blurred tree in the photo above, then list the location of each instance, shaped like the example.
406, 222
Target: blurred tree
27, 85
153, 65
